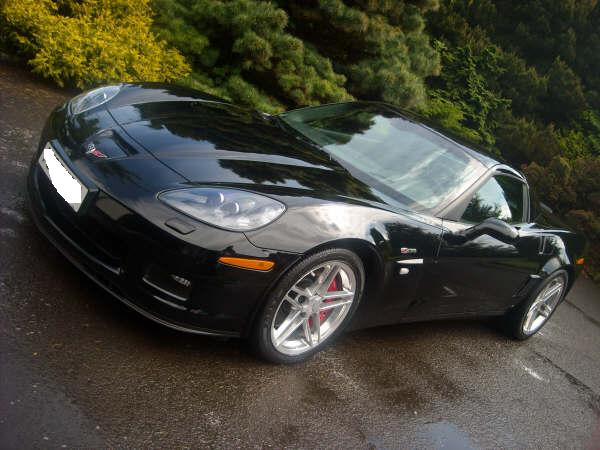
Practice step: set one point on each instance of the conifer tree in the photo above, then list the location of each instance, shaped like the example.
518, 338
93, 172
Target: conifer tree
380, 46
272, 55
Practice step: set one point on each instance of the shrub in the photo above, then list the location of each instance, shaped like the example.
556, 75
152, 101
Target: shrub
572, 187
87, 42
381, 47
449, 116
244, 49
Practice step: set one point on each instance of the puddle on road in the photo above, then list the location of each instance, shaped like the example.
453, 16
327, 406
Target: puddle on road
447, 436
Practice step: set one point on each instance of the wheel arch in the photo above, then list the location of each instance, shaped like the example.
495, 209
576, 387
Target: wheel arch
371, 258
571, 276
373, 265
559, 263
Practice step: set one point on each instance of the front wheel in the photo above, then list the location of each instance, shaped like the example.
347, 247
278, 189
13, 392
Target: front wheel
529, 317
310, 306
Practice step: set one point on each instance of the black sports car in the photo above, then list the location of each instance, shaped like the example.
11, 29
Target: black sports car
215, 219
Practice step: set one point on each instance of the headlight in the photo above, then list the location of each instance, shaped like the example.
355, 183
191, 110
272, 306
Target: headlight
230, 209
93, 98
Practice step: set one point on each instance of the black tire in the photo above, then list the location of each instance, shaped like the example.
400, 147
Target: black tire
514, 320
261, 335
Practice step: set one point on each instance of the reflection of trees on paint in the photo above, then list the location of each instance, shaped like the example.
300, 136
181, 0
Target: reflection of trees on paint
345, 125
215, 127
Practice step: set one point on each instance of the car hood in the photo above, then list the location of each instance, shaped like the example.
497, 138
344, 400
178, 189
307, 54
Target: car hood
210, 142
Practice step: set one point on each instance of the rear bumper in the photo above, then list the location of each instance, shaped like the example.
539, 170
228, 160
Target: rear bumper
121, 250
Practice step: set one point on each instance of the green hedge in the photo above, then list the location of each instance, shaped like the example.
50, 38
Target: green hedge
86, 42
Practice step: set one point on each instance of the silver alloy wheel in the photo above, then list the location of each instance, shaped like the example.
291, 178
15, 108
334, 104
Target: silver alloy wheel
310, 311
543, 305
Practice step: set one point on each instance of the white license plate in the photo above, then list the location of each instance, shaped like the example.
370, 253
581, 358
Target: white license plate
63, 180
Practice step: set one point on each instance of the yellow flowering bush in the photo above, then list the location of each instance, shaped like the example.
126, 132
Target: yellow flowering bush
87, 42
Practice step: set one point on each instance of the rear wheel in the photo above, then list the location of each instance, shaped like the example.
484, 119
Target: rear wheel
529, 317
310, 306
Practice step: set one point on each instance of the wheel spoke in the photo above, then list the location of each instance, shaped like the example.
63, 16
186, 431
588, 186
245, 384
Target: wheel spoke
316, 321
335, 304
292, 302
307, 332
288, 326
531, 316
545, 310
551, 292
326, 278
298, 291
338, 295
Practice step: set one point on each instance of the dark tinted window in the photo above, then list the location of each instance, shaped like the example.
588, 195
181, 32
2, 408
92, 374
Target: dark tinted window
400, 158
500, 197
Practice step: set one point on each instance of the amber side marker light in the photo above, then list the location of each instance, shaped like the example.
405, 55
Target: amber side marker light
580, 261
247, 263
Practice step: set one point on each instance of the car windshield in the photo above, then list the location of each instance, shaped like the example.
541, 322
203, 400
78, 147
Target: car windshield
399, 158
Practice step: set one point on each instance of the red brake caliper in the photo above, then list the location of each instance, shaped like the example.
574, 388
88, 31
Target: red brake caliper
332, 288
323, 314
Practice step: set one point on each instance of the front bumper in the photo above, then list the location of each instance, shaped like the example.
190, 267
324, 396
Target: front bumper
123, 252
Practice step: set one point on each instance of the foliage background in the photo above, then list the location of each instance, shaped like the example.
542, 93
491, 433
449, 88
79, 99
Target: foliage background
521, 78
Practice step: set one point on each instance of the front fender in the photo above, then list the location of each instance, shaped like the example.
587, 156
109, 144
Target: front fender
307, 226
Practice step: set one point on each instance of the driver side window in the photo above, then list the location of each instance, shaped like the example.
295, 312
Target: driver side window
501, 197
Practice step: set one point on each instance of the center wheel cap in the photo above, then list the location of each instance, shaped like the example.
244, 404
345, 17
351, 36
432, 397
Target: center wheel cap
312, 305
316, 305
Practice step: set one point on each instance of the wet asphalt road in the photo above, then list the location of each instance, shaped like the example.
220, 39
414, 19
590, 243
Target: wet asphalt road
77, 369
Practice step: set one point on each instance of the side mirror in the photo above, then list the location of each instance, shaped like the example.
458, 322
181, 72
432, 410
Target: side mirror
496, 228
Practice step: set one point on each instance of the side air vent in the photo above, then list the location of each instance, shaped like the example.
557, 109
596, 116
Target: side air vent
173, 286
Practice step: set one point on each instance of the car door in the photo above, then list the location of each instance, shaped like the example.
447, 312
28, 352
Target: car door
483, 274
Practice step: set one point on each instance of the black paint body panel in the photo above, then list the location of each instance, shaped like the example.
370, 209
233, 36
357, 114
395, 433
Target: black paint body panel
161, 137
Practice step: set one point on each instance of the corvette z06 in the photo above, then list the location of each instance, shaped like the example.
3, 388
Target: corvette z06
287, 230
